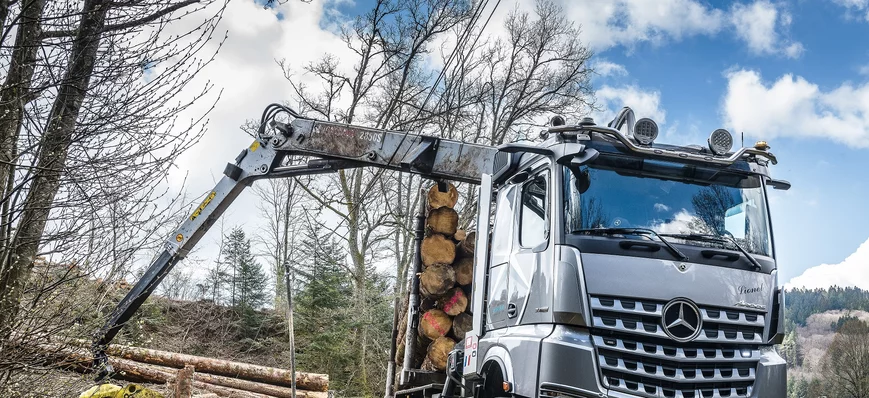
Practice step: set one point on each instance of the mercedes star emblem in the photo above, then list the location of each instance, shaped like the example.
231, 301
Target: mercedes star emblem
681, 320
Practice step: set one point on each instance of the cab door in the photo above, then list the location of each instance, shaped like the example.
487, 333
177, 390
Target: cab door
527, 285
502, 248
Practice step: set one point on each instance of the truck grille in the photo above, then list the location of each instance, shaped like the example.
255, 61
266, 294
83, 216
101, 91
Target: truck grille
636, 356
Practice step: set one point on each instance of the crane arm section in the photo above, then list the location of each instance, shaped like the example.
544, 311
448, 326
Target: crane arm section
331, 146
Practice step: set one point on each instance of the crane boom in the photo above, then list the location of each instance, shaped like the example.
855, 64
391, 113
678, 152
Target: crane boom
333, 146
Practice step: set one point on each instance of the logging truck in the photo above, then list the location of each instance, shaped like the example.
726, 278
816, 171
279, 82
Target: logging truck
604, 263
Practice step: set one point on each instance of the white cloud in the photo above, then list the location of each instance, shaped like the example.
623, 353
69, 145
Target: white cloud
759, 24
607, 24
645, 103
858, 9
795, 107
853, 271
606, 68
661, 207
680, 224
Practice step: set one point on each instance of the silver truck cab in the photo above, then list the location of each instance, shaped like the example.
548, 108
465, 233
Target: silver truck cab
630, 269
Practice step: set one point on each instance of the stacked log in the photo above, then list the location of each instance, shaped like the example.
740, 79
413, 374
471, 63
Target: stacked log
446, 254
220, 377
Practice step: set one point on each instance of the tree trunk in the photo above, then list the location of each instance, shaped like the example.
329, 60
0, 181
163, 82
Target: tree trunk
464, 271
462, 324
14, 94
436, 280
437, 249
435, 323
437, 199
439, 351
51, 158
263, 374
442, 220
454, 302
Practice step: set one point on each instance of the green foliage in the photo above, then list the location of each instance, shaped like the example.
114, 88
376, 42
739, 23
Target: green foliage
801, 303
322, 319
790, 350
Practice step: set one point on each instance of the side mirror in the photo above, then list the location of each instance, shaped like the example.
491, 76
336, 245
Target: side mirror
778, 184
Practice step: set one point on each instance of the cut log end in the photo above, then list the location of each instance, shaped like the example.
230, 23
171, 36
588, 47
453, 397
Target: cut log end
436, 280
466, 247
439, 351
454, 302
462, 324
437, 249
434, 324
443, 220
437, 199
460, 235
464, 271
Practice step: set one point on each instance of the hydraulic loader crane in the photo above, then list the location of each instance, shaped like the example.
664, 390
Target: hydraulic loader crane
607, 265
338, 146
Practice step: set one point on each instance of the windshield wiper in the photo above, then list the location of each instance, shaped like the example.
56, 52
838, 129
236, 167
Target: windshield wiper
720, 239
635, 231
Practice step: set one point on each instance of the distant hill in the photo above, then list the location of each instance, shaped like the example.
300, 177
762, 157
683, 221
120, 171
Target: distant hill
800, 304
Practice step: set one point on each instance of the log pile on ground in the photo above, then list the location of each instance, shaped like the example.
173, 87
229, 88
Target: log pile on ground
220, 377
447, 256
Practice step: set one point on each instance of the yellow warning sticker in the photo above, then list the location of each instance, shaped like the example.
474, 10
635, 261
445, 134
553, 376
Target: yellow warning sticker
202, 206
254, 146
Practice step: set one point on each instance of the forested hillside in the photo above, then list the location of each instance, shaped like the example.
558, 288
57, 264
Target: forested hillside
801, 303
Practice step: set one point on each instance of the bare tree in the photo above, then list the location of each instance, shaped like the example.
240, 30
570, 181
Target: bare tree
88, 132
846, 363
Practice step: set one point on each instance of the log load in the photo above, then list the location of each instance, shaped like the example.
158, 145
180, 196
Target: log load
263, 374
464, 271
460, 235
436, 280
454, 302
437, 249
443, 220
435, 323
462, 324
465, 248
439, 351
438, 199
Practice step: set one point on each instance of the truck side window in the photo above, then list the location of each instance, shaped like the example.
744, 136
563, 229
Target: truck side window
532, 224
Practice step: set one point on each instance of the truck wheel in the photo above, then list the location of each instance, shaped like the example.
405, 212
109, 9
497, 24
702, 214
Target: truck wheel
493, 381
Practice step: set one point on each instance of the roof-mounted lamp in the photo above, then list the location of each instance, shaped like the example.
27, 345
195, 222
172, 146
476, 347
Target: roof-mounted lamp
720, 142
645, 131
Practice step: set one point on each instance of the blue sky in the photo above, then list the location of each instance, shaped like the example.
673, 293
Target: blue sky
794, 73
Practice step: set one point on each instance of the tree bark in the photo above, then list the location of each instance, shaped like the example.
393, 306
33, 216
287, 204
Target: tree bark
437, 199
437, 249
442, 220
182, 387
436, 280
262, 374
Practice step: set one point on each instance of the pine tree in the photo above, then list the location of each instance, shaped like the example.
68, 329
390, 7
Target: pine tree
322, 317
249, 281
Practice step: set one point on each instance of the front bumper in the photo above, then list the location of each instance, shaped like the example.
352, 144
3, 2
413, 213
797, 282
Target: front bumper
569, 368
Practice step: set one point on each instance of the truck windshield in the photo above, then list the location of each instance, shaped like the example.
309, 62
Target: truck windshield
689, 204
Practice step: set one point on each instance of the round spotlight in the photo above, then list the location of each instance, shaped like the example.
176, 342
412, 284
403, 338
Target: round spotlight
720, 142
645, 131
